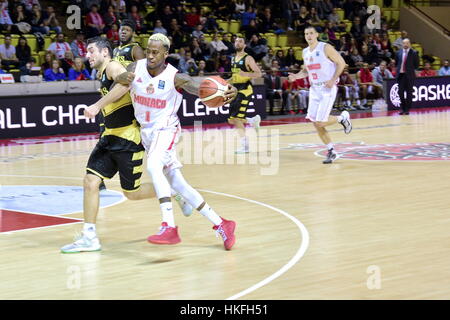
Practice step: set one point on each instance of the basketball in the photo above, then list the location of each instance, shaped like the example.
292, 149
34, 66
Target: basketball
212, 90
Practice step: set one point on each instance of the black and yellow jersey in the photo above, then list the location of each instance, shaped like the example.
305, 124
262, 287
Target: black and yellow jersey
124, 54
122, 131
238, 65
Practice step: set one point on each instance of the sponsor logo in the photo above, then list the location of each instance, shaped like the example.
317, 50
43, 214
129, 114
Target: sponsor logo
395, 152
394, 96
150, 102
161, 84
150, 89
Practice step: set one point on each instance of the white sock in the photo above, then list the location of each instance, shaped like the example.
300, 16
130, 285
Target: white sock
167, 213
330, 146
89, 230
244, 142
211, 215
340, 118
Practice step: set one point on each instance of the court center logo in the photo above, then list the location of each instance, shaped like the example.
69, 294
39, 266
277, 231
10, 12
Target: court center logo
394, 96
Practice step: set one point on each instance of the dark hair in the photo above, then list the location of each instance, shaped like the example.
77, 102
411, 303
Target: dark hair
312, 27
128, 23
101, 44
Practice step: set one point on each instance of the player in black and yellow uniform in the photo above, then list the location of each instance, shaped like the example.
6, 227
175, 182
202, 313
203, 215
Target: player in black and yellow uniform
127, 51
243, 68
119, 148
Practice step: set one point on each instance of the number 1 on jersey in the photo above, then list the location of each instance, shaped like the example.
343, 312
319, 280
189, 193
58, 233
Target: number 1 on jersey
147, 116
314, 76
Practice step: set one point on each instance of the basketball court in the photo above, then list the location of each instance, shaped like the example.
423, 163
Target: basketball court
372, 225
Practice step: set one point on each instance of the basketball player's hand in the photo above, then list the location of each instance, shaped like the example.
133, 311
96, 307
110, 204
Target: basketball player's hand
91, 111
230, 94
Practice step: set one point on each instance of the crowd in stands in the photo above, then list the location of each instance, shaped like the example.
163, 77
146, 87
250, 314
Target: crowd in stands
368, 53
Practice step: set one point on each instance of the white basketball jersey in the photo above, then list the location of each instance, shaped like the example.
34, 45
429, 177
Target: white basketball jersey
155, 99
320, 68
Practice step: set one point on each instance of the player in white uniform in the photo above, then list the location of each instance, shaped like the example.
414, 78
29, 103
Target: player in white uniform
323, 67
156, 101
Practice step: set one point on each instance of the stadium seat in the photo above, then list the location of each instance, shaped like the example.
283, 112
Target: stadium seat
208, 37
271, 39
388, 14
379, 3
348, 26
47, 41
395, 4
285, 49
282, 40
37, 58
298, 53
223, 24
144, 40
235, 26
395, 15
371, 2
32, 42
341, 14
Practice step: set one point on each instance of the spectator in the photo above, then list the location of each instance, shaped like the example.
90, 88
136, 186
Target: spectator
239, 9
138, 19
113, 35
158, 28
315, 19
20, 14
398, 43
6, 23
273, 88
224, 65
55, 73
78, 71
267, 59
50, 20
78, 46
177, 37
303, 20
296, 6
110, 18
94, 23
357, 30
386, 48
226, 41
248, 15
201, 68
120, 8
193, 18
297, 95
48, 58
334, 17
369, 56
197, 33
210, 23
445, 69
30, 3
356, 59
27, 68
380, 73
365, 83
279, 56
217, 45
166, 17
68, 62
59, 47
8, 54
392, 67
290, 59
268, 22
250, 29
37, 20
23, 51
186, 64
257, 47
324, 36
347, 90
197, 52
212, 64
427, 71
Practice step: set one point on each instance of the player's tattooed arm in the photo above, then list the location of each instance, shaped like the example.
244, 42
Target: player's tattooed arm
192, 85
128, 76
117, 90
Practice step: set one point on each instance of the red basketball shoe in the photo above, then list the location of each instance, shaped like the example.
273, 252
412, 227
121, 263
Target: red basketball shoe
166, 235
226, 230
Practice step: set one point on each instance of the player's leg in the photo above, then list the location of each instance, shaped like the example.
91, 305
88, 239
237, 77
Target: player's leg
158, 145
225, 228
100, 166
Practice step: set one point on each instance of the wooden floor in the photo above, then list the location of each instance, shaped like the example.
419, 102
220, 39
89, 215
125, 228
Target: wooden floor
356, 229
